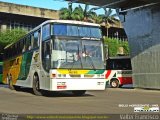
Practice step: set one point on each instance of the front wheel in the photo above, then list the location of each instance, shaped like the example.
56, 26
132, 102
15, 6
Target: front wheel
79, 92
114, 83
36, 86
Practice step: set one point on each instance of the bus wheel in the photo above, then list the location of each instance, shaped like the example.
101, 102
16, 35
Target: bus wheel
36, 87
10, 84
79, 92
114, 83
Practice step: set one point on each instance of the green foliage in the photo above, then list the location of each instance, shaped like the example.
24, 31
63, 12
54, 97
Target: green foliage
77, 14
65, 14
10, 36
87, 15
113, 45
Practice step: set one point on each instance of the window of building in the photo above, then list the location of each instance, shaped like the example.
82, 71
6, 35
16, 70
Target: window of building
20, 25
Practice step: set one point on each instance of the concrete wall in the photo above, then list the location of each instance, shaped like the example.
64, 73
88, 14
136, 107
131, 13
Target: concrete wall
28, 11
142, 26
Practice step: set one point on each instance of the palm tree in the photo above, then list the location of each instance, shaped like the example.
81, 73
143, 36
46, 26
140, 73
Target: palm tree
108, 18
89, 14
77, 14
65, 13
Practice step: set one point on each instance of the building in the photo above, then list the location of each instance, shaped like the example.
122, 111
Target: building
21, 16
115, 31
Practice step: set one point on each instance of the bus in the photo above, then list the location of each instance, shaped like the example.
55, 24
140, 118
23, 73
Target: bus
119, 71
58, 55
1, 64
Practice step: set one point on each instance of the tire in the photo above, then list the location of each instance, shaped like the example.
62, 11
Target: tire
36, 86
114, 83
120, 86
79, 92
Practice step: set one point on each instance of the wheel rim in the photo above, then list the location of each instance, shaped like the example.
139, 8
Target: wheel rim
114, 84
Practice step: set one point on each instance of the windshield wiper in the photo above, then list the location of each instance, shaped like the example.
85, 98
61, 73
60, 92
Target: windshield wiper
79, 57
88, 56
78, 53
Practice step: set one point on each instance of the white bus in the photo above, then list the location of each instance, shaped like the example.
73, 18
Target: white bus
58, 55
118, 71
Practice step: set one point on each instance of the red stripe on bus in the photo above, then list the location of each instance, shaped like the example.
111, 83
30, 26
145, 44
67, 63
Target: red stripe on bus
125, 80
108, 73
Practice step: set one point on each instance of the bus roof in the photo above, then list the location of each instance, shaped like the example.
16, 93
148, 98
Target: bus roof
57, 21
120, 57
71, 22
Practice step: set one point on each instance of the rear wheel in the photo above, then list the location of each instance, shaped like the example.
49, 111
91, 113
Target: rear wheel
36, 86
114, 83
79, 92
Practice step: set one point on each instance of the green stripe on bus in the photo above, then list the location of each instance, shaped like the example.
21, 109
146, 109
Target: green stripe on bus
96, 72
25, 65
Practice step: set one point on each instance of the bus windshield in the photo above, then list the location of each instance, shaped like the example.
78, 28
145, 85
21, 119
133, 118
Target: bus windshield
77, 54
76, 30
118, 64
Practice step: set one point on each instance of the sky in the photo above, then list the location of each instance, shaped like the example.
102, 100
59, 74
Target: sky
50, 4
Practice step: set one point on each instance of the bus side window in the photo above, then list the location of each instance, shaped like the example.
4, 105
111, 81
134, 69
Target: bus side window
28, 43
1, 69
21, 46
36, 37
46, 32
24, 45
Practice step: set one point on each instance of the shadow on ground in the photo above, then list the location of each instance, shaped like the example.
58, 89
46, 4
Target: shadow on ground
49, 93
129, 86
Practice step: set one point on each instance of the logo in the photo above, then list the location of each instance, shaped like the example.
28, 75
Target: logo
146, 109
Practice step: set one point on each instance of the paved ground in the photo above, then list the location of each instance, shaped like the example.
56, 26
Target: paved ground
99, 102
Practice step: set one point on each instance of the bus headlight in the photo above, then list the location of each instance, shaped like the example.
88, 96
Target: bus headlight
53, 75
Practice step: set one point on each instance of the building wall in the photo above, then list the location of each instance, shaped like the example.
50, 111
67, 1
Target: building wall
142, 28
28, 11
20, 16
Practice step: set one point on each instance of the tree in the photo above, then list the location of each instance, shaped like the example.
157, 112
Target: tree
108, 18
65, 13
77, 14
89, 14
10, 36
113, 46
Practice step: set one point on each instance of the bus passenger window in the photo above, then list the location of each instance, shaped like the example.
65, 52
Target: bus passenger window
46, 32
24, 45
1, 69
46, 57
28, 43
36, 37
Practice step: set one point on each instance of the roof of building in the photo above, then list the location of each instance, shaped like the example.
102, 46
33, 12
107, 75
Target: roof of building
125, 4
28, 11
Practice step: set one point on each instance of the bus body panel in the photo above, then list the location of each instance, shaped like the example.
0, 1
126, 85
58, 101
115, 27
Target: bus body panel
77, 84
66, 79
12, 68
123, 76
